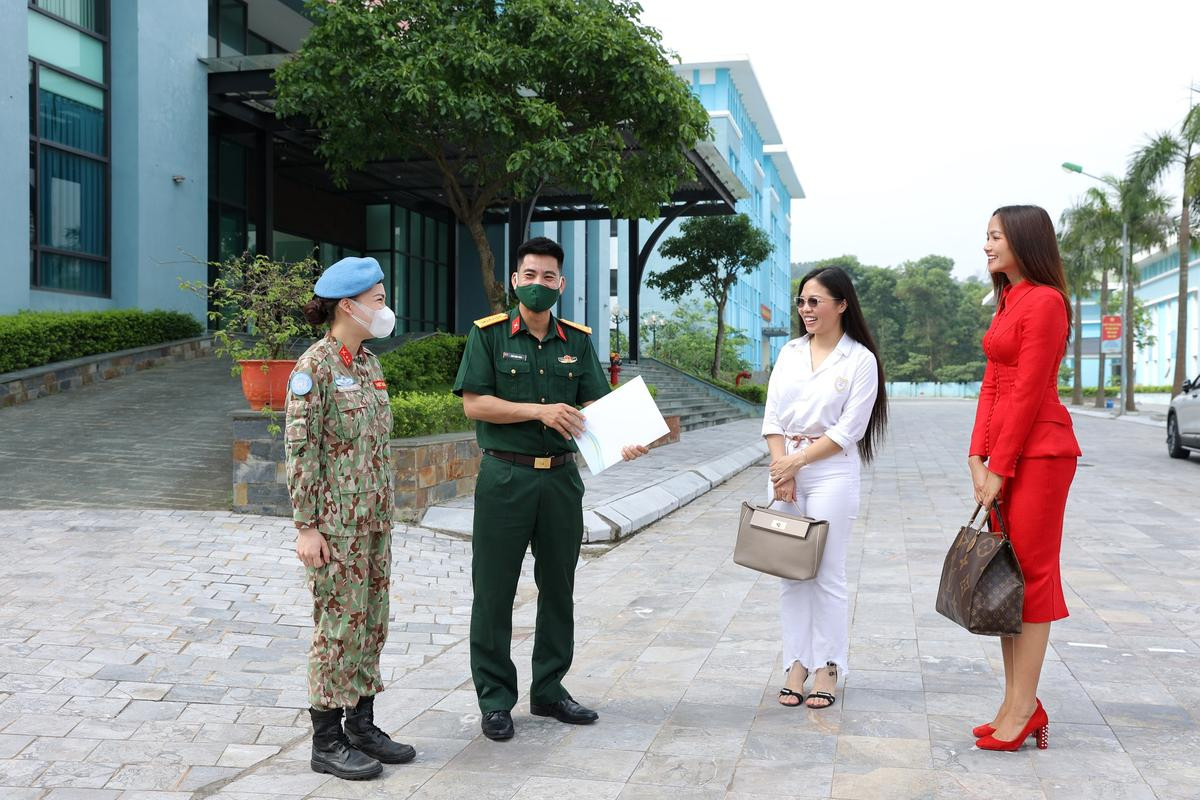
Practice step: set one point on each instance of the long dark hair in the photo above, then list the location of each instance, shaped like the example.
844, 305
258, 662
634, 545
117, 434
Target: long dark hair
854, 323
1030, 235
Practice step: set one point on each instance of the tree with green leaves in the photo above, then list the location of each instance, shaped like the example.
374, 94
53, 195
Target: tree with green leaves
1080, 264
1144, 212
1147, 214
711, 253
500, 98
931, 299
1162, 154
685, 339
1096, 225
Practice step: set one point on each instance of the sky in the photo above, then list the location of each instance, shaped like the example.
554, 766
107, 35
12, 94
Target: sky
908, 123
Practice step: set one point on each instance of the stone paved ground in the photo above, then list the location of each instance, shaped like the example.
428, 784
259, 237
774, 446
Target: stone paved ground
154, 439
158, 655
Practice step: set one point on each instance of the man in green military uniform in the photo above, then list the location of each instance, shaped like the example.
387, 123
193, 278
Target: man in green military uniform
522, 376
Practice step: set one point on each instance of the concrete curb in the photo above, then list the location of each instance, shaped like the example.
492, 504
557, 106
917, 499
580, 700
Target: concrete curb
615, 518
1137, 419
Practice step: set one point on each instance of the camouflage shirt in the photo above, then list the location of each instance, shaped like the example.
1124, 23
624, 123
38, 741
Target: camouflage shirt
339, 423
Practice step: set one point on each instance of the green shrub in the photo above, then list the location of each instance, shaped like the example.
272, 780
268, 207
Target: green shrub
754, 392
1115, 391
34, 338
427, 413
424, 364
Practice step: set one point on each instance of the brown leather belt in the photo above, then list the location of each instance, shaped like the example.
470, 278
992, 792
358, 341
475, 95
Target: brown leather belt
537, 462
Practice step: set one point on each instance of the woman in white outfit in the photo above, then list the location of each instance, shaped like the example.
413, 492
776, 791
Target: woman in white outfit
826, 412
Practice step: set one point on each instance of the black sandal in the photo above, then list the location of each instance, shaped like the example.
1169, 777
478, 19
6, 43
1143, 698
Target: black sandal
786, 692
828, 697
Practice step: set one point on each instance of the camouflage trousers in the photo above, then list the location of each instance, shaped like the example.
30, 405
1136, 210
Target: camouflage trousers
350, 618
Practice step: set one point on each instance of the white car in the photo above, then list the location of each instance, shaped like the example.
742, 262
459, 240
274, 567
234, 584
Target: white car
1183, 420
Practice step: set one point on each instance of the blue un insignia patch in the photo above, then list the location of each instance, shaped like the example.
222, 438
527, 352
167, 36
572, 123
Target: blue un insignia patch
300, 384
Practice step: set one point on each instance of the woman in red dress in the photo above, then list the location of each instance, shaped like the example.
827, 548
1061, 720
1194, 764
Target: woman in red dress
1023, 449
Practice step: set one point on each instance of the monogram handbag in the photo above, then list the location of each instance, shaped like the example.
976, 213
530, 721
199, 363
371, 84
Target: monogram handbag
786, 545
982, 588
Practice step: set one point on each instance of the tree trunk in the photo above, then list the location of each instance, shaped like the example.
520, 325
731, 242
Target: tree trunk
487, 264
716, 365
1185, 256
1077, 355
1100, 363
1130, 335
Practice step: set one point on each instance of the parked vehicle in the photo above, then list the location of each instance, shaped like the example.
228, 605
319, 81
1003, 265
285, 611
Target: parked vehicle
1183, 420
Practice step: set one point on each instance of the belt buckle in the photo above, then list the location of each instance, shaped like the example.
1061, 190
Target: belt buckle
541, 462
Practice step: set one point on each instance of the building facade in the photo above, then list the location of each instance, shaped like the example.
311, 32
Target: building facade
151, 151
747, 140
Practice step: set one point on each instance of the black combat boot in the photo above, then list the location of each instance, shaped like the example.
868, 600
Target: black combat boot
363, 734
332, 752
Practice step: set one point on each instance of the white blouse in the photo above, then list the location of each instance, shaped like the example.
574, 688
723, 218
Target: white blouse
836, 399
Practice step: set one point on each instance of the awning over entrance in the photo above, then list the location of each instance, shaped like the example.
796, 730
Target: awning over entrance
242, 87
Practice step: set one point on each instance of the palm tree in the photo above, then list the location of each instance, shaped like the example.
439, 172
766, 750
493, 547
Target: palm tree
1096, 225
1147, 213
1162, 153
1080, 262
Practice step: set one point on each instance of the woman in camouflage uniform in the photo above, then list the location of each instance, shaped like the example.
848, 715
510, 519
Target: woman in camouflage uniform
338, 472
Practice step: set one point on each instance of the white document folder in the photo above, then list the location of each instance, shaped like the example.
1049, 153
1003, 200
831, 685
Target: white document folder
625, 416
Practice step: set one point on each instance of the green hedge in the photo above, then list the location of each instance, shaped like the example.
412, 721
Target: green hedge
754, 392
1114, 391
424, 364
427, 413
35, 338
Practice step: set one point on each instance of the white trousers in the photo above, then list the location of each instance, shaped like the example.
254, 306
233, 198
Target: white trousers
816, 613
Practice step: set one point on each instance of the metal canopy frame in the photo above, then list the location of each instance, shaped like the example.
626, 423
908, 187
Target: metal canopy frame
242, 88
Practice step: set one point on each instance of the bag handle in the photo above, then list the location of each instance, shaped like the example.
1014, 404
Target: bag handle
988, 518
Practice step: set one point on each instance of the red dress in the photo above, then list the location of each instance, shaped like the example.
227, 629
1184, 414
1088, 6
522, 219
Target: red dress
1024, 433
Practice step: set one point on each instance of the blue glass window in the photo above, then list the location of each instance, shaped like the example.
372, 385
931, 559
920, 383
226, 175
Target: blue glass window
69, 170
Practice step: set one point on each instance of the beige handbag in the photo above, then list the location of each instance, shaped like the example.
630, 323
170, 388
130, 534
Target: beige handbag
776, 543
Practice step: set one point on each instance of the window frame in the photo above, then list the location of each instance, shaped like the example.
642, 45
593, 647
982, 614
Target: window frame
37, 142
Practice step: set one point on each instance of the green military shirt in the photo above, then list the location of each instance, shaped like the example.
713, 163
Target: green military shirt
338, 429
502, 358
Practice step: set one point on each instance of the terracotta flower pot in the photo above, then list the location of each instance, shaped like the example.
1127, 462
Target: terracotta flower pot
266, 387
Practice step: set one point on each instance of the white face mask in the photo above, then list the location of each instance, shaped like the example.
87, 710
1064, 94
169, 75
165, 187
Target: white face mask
381, 322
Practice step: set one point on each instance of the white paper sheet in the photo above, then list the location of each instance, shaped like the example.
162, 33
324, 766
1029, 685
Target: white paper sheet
622, 417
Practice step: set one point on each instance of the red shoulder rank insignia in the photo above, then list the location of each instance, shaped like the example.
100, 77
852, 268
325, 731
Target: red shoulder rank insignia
380, 384
516, 324
347, 359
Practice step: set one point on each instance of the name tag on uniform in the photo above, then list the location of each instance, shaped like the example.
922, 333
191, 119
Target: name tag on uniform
345, 383
515, 356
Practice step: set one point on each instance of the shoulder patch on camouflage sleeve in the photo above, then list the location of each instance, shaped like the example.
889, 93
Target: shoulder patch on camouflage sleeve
577, 326
492, 320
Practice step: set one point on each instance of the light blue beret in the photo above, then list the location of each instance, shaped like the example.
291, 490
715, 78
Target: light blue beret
349, 277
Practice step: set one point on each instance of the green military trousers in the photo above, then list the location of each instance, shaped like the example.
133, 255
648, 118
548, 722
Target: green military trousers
350, 618
518, 507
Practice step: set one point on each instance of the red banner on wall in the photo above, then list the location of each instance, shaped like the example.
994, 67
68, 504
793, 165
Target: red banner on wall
766, 312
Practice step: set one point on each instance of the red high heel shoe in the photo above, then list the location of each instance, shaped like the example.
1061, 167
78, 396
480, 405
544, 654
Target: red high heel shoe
1038, 725
980, 731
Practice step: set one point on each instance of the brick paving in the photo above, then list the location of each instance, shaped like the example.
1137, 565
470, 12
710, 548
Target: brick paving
155, 439
158, 655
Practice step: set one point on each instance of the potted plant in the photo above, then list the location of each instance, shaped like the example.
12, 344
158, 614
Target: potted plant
256, 312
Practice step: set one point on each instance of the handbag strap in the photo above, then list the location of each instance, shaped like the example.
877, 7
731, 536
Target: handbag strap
988, 519
1000, 519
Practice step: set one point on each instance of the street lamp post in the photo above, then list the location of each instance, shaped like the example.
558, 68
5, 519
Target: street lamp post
653, 321
1126, 299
